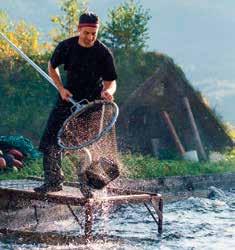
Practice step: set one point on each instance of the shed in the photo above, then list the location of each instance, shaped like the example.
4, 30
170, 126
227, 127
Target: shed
141, 124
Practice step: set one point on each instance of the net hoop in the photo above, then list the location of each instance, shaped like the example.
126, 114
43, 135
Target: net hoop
78, 109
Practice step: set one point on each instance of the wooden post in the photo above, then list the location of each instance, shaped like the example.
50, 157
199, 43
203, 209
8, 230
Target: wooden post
160, 217
155, 146
157, 203
172, 130
88, 220
194, 129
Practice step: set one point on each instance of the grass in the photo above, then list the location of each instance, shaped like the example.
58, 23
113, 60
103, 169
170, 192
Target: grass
31, 168
137, 167
147, 167
35, 168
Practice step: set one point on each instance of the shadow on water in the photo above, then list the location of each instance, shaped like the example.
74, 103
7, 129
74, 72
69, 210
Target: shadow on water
193, 223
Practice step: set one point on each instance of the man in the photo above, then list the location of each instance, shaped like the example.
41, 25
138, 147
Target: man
91, 75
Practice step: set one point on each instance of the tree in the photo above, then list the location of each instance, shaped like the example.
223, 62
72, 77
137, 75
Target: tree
24, 97
21, 34
68, 20
4, 21
126, 27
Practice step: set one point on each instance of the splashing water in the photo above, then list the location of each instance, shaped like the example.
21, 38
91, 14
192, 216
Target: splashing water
194, 223
82, 128
85, 126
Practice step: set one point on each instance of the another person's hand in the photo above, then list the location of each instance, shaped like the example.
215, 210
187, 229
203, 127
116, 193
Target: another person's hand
65, 94
106, 95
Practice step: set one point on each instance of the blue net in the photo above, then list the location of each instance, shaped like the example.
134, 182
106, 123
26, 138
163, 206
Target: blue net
21, 143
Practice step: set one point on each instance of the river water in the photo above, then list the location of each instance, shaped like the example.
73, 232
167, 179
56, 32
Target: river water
193, 223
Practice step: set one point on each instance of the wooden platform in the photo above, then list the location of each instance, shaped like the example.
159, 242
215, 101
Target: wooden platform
22, 190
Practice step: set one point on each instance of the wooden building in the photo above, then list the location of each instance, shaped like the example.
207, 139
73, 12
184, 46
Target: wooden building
141, 124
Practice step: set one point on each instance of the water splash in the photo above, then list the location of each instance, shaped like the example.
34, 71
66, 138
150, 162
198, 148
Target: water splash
194, 223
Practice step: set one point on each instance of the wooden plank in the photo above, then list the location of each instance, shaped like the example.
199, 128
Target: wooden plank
137, 198
64, 198
173, 132
121, 191
54, 197
194, 129
69, 195
110, 189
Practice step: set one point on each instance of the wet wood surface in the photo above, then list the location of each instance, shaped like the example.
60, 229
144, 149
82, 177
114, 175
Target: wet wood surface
23, 189
20, 192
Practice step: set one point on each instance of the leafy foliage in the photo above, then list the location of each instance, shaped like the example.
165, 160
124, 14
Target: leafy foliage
126, 27
27, 98
68, 21
21, 34
24, 96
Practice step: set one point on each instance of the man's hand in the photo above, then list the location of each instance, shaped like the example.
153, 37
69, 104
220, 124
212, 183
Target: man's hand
65, 94
109, 88
106, 95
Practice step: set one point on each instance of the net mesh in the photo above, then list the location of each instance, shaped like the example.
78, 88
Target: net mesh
77, 161
86, 126
83, 128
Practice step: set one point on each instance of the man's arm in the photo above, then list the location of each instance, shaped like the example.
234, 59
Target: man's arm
55, 75
109, 88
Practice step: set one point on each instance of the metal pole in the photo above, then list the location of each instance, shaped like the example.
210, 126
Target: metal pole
34, 65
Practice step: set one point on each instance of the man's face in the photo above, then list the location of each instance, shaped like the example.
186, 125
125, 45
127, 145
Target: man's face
87, 36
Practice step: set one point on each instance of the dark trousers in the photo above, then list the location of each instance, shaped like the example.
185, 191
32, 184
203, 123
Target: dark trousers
52, 153
53, 173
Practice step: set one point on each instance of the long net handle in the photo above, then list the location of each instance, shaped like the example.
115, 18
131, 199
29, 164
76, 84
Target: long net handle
102, 119
34, 65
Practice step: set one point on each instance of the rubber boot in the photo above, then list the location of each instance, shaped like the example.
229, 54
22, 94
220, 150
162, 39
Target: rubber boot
53, 174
